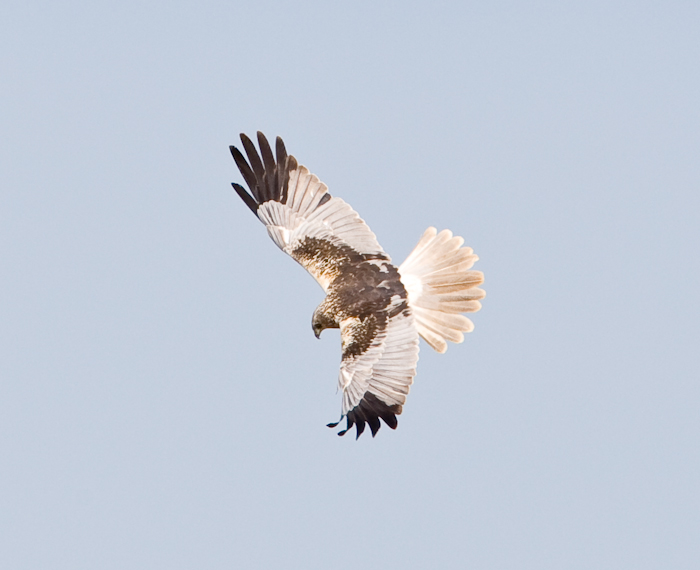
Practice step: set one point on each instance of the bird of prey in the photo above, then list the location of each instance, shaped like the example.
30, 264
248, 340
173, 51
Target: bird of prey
380, 309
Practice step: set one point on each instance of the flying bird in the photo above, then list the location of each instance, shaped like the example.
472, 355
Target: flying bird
380, 309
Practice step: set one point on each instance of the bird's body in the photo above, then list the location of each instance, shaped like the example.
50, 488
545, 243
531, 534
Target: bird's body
379, 308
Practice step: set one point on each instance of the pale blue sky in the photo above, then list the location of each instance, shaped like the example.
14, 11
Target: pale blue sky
163, 399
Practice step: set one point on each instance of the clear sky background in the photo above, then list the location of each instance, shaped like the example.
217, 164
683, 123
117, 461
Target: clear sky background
163, 399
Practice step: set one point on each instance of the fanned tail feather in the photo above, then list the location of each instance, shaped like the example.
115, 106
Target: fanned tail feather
440, 284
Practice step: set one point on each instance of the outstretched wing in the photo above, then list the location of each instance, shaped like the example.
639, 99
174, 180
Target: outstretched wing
380, 353
319, 231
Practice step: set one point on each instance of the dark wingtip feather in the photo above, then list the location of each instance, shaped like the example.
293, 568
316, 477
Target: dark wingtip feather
246, 171
270, 179
374, 424
245, 139
254, 158
282, 182
266, 151
280, 151
247, 198
390, 420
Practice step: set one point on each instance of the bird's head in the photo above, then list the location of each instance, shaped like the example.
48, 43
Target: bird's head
321, 320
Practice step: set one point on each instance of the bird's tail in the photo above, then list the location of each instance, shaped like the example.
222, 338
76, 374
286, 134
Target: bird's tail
440, 286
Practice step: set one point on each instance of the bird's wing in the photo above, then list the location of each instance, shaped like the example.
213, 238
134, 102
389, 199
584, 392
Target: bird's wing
380, 353
317, 230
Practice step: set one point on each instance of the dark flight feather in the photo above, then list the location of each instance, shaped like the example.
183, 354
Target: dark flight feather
247, 198
269, 180
246, 171
253, 157
282, 181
